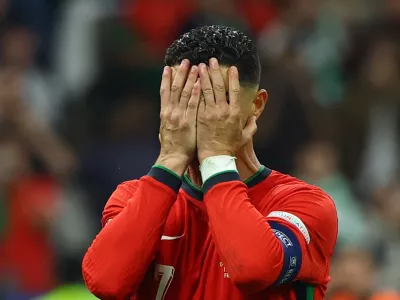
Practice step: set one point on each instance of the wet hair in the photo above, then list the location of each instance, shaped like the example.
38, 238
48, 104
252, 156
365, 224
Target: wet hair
230, 46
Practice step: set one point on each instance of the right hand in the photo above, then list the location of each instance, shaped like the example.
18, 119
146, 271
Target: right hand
179, 105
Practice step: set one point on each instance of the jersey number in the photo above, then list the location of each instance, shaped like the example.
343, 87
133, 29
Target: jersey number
167, 274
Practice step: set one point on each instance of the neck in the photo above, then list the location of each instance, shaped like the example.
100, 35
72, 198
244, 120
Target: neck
247, 165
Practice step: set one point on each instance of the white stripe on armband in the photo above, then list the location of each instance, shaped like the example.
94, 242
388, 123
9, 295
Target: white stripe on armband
214, 165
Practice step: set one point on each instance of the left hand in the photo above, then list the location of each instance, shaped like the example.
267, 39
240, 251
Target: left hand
219, 122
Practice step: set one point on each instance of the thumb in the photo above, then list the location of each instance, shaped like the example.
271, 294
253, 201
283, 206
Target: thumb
250, 129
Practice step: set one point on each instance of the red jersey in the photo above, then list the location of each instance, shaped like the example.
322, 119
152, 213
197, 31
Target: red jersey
270, 237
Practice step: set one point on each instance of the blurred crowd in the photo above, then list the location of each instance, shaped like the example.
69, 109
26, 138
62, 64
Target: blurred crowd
79, 83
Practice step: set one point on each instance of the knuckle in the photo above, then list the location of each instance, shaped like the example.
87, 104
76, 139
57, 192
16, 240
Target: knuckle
192, 105
219, 87
209, 116
164, 113
185, 94
235, 91
224, 114
174, 120
207, 91
175, 87
185, 125
222, 111
162, 91
174, 117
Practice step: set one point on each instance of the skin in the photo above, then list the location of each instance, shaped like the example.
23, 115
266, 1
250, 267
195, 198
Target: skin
198, 122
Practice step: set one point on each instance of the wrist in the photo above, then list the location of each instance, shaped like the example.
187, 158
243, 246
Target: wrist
215, 165
206, 154
175, 163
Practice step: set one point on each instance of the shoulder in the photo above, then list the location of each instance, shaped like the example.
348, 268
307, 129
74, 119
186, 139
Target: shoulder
125, 190
304, 213
302, 205
290, 191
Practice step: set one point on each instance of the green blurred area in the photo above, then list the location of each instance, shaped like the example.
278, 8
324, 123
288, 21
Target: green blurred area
68, 292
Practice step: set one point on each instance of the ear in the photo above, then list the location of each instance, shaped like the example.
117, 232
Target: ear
259, 103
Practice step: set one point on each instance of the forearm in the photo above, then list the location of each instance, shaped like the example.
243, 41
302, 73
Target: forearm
119, 257
245, 241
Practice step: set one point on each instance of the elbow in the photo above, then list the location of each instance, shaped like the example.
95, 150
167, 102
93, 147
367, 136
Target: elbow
100, 283
101, 288
251, 283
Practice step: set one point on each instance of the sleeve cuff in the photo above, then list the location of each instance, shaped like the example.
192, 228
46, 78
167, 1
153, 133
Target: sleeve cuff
219, 178
166, 176
217, 169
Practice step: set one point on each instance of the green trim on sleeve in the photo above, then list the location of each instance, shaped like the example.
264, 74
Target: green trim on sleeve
168, 170
255, 175
189, 182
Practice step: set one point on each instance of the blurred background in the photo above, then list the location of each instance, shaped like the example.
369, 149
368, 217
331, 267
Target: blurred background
79, 83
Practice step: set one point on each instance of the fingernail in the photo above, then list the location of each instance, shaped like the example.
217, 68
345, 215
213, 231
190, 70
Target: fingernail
214, 63
202, 66
234, 70
166, 68
193, 69
184, 62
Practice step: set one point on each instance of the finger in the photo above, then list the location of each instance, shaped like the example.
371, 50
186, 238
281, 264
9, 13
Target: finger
234, 87
187, 90
193, 104
202, 106
179, 81
206, 85
165, 88
217, 83
250, 129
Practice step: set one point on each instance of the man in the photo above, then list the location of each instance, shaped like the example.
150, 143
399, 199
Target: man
229, 229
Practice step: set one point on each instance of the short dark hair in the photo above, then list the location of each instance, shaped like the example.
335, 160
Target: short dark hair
230, 46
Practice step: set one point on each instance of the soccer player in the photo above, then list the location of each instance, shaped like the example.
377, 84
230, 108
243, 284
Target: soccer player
209, 221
